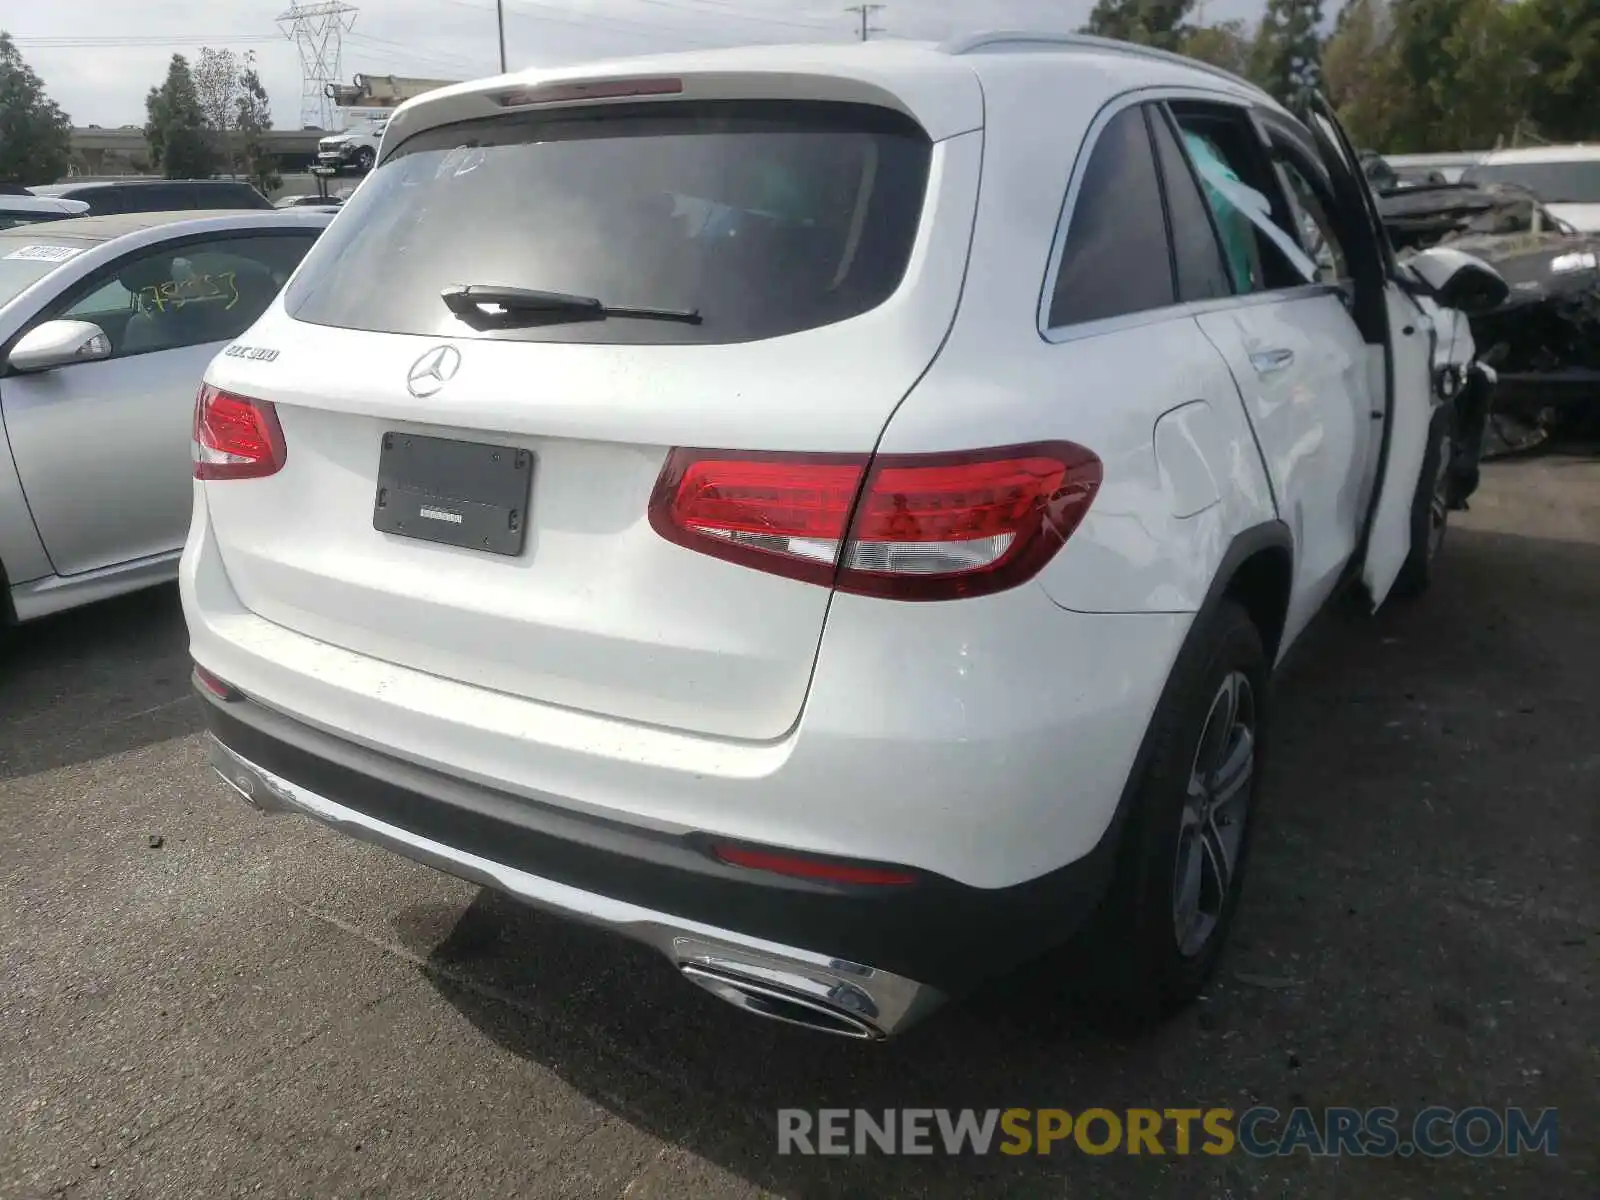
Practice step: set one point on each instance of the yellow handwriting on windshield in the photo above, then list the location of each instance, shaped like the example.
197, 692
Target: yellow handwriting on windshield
221, 288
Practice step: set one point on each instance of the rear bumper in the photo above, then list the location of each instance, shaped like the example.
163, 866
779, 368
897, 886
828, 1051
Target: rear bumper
777, 981
988, 757
891, 953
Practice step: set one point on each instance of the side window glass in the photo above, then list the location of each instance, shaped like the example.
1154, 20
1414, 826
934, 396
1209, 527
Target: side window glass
1259, 241
1115, 260
1314, 226
190, 295
110, 299
1201, 273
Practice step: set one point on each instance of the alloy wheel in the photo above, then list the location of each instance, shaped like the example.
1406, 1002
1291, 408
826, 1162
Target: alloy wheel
1212, 826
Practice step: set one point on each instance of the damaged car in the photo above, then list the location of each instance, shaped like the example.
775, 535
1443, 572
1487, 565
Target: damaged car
1544, 340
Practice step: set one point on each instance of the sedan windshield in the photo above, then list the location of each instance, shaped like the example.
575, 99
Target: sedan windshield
28, 255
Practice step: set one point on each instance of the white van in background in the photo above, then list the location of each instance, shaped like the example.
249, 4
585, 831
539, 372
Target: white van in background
1565, 178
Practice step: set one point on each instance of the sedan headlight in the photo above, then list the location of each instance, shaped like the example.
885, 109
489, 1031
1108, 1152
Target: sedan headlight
1578, 260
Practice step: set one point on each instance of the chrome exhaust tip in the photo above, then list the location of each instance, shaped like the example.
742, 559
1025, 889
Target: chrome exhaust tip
778, 1004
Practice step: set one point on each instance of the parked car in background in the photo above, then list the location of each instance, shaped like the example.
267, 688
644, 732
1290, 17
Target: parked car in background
1544, 340
326, 202
31, 210
107, 197
795, 507
353, 150
1566, 178
1447, 164
106, 325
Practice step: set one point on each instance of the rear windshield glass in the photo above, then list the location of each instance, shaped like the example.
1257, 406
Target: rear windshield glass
1552, 182
764, 219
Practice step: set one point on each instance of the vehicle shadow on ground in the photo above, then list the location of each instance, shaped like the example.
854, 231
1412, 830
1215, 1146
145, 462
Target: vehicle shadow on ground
1365, 968
94, 682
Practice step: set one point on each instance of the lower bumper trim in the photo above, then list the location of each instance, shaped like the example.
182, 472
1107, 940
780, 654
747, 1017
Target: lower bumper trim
776, 981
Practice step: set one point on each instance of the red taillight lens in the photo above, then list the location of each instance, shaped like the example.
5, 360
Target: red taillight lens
235, 437
780, 512
922, 527
819, 869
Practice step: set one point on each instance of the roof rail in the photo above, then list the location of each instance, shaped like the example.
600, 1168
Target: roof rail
968, 43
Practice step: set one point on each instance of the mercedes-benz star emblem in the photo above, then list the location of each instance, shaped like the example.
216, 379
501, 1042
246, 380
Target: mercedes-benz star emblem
433, 370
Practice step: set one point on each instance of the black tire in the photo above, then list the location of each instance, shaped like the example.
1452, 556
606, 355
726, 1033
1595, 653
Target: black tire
1430, 508
1142, 969
7, 618
365, 157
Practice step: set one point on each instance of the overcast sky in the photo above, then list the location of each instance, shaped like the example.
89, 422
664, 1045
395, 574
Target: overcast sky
98, 58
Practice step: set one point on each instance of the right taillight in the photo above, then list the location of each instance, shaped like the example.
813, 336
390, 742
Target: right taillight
235, 437
910, 527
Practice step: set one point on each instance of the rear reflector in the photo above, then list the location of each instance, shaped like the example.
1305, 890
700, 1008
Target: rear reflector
235, 437
910, 527
212, 684
820, 869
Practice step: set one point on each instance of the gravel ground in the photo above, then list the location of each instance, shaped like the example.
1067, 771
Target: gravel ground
199, 1001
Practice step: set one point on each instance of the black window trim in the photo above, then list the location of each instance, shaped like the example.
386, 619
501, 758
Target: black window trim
1058, 334
1367, 304
1159, 111
101, 275
1287, 143
1276, 195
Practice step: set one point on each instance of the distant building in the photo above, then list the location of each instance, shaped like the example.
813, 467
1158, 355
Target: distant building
114, 153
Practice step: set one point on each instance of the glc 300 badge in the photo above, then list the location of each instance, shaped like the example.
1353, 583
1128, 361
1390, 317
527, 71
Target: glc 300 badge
253, 353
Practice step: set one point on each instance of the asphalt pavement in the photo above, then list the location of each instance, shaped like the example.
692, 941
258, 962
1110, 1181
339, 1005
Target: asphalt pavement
198, 1001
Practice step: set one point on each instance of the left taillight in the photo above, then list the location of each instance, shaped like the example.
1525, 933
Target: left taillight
235, 437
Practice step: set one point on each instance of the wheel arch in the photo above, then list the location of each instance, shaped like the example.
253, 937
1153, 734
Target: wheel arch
1256, 571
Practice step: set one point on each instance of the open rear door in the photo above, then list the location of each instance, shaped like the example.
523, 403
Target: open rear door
1408, 338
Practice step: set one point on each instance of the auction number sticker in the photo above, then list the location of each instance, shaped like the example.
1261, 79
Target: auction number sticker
38, 252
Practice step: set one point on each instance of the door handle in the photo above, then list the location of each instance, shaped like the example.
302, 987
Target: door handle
1267, 361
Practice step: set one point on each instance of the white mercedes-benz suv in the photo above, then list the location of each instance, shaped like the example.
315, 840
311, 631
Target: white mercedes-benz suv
831, 513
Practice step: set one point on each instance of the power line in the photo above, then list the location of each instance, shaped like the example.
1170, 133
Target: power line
455, 62
141, 41
317, 30
866, 11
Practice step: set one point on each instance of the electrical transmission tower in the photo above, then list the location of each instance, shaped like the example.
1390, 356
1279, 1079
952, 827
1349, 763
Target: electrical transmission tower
317, 30
865, 11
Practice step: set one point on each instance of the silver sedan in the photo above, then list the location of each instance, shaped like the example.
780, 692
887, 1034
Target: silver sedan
106, 326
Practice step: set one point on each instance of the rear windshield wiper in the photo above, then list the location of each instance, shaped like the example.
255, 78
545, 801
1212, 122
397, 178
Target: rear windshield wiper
479, 301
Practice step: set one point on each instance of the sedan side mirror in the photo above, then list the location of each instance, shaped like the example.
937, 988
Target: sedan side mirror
59, 344
1460, 281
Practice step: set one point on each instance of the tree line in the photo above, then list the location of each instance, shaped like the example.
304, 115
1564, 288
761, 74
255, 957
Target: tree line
211, 117
1405, 76
202, 120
